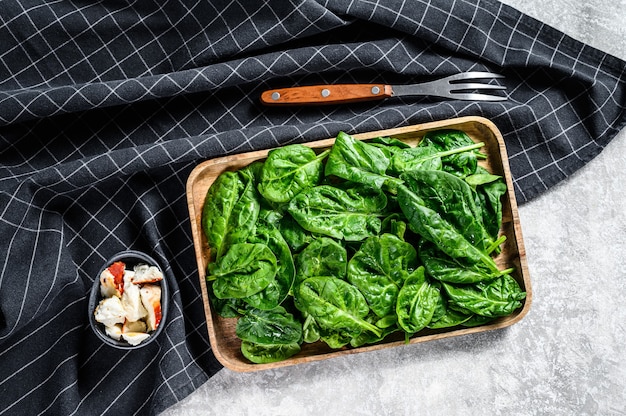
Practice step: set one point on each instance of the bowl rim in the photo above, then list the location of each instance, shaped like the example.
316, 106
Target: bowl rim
132, 257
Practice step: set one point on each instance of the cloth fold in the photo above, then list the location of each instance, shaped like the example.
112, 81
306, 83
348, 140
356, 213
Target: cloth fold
105, 108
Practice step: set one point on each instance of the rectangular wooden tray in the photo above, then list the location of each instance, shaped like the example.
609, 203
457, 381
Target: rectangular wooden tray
221, 331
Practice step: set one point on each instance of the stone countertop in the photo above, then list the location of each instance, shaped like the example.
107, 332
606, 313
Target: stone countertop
566, 357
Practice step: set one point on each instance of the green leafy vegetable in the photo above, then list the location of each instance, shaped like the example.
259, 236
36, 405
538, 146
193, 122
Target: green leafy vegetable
490, 189
310, 329
278, 289
268, 353
449, 319
416, 302
444, 268
359, 162
275, 326
230, 211
379, 270
388, 143
294, 235
244, 270
425, 157
229, 307
457, 163
352, 214
497, 298
334, 304
432, 226
288, 170
323, 257
454, 200
308, 247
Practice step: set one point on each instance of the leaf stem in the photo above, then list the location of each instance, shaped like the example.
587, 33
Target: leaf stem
461, 149
496, 244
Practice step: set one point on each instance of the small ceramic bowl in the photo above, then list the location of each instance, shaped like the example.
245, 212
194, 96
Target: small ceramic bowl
131, 258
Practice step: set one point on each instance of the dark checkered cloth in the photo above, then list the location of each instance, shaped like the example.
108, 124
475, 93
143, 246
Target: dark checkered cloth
106, 107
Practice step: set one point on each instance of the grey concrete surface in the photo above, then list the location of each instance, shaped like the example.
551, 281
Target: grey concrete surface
566, 357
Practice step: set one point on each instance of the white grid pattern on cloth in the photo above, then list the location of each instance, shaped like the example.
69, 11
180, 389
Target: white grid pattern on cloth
105, 111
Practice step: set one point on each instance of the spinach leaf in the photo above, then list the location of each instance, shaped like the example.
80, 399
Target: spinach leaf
275, 326
416, 158
230, 211
440, 304
335, 339
394, 224
351, 214
268, 353
388, 142
416, 302
360, 162
481, 177
490, 189
279, 288
323, 257
497, 298
335, 305
425, 157
449, 319
229, 307
388, 145
288, 170
310, 329
387, 324
244, 270
433, 227
459, 164
454, 200
477, 320
380, 268
294, 235
443, 268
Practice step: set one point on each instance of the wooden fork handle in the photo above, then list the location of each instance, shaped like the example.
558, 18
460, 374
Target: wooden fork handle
326, 94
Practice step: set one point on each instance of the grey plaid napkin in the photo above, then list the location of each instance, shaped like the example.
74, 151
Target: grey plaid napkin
106, 107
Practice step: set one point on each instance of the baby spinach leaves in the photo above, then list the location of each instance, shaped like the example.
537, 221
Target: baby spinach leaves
379, 270
417, 302
336, 305
269, 335
352, 214
245, 269
489, 299
230, 211
274, 326
489, 191
313, 246
427, 157
359, 162
453, 199
268, 353
288, 170
278, 289
323, 257
432, 226
446, 269
457, 163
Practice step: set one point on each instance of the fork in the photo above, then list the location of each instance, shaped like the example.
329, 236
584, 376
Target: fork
451, 87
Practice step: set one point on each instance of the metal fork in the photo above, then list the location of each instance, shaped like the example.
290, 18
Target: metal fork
452, 87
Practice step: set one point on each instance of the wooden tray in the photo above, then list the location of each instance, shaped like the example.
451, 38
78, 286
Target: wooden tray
226, 345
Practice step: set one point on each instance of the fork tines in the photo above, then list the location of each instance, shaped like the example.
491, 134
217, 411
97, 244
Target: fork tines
460, 90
